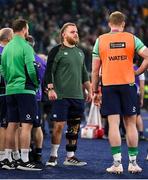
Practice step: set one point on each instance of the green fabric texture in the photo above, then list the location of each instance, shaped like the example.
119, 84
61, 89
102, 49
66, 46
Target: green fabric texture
69, 73
18, 67
116, 150
132, 151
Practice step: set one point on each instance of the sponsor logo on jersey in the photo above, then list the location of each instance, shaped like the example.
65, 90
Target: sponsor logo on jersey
117, 58
114, 45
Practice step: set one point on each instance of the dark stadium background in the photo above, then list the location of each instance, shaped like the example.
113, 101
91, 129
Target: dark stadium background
45, 20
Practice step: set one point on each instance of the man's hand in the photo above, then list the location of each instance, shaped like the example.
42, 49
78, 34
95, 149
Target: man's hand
136, 73
87, 91
97, 99
52, 95
88, 96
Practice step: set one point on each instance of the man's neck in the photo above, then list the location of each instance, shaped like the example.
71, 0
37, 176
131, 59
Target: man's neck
20, 34
116, 29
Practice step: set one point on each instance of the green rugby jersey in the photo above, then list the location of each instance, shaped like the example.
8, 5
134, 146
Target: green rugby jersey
18, 67
69, 73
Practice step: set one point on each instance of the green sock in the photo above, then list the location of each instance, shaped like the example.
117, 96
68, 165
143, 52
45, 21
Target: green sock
132, 151
116, 150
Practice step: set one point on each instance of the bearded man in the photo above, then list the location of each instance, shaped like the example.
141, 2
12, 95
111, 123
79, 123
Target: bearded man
66, 78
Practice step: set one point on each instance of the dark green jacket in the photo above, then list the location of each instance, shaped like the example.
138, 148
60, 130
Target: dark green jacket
67, 71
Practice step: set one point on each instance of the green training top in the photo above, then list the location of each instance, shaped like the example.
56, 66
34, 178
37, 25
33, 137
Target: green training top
69, 73
18, 67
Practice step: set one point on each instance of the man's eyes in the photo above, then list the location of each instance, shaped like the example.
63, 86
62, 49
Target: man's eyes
74, 32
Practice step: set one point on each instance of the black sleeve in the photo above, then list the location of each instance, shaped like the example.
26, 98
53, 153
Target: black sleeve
50, 60
85, 76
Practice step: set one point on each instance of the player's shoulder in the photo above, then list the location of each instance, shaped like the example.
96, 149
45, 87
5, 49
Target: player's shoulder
56, 48
129, 34
104, 35
27, 47
79, 48
80, 51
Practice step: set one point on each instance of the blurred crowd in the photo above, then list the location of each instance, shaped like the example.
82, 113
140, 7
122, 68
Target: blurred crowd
47, 16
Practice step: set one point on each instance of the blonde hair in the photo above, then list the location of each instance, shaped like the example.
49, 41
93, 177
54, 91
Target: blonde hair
117, 18
6, 34
64, 27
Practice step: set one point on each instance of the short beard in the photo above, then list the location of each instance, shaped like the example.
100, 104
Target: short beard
72, 41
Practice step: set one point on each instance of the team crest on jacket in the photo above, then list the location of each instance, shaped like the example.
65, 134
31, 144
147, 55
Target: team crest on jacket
65, 53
